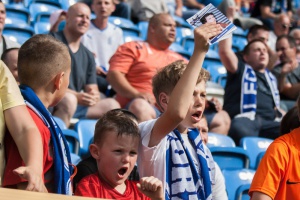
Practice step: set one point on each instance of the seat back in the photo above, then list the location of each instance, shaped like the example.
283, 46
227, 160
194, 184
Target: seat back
18, 11
219, 140
230, 157
128, 27
37, 8
85, 129
41, 27
254, 146
179, 49
238, 183
60, 123
20, 32
72, 139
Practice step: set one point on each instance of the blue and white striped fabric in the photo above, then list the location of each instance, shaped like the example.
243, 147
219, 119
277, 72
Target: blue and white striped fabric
249, 92
61, 154
184, 180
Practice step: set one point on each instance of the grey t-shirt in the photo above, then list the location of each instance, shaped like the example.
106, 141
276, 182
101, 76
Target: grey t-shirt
83, 67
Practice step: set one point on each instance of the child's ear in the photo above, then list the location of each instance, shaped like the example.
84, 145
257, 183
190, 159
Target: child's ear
58, 80
163, 101
94, 151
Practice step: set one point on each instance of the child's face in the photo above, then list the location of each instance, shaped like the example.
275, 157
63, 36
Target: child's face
117, 157
196, 108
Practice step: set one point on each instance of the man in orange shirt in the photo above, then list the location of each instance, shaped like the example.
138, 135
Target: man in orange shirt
135, 63
278, 175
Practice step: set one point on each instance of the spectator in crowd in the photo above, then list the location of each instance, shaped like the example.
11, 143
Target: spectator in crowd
102, 39
44, 69
277, 174
56, 18
135, 63
15, 120
270, 10
5, 42
88, 166
287, 71
10, 59
282, 26
83, 96
219, 188
254, 111
295, 33
123, 9
180, 93
116, 142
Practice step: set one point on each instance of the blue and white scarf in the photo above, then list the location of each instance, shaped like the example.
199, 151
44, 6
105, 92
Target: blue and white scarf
183, 179
249, 92
61, 153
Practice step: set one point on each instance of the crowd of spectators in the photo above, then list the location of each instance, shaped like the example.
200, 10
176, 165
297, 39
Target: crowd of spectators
83, 69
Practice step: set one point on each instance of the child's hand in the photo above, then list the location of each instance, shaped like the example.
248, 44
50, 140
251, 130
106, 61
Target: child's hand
203, 33
151, 187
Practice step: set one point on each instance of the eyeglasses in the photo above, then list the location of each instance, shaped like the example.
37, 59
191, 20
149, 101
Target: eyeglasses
285, 26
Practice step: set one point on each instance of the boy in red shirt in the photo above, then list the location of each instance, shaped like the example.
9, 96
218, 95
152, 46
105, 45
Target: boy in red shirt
115, 149
44, 70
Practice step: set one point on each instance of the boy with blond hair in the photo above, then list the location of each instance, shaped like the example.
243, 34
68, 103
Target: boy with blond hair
115, 149
171, 148
44, 70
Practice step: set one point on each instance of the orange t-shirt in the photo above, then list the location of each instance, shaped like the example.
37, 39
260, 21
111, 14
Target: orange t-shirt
140, 62
278, 174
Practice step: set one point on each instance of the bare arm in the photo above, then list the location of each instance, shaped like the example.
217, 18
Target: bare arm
183, 92
266, 12
178, 10
121, 85
260, 196
28, 140
194, 4
228, 57
288, 89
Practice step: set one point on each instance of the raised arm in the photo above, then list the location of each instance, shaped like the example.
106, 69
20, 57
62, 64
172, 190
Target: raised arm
228, 57
183, 92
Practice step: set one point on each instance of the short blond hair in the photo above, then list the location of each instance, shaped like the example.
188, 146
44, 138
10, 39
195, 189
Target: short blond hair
166, 79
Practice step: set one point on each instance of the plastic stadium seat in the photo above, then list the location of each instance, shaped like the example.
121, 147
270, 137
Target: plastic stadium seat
60, 123
85, 129
179, 49
37, 8
21, 32
182, 32
239, 43
237, 183
239, 31
143, 27
73, 140
132, 38
41, 27
75, 158
128, 27
180, 22
43, 17
18, 11
188, 43
254, 146
219, 140
230, 157
258, 159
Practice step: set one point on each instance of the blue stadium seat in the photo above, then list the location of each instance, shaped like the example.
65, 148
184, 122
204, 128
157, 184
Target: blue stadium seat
42, 27
18, 11
143, 27
130, 38
237, 183
254, 146
60, 123
85, 129
128, 27
181, 33
230, 157
37, 8
73, 140
219, 140
188, 43
43, 17
238, 43
21, 32
180, 22
258, 159
179, 49
75, 159
240, 32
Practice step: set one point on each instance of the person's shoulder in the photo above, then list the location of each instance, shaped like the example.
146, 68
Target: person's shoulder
90, 179
10, 43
